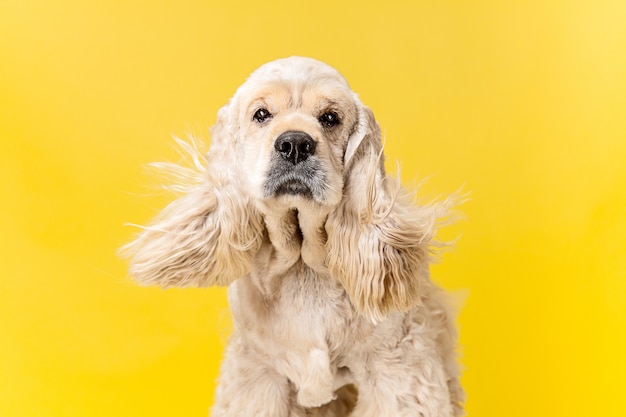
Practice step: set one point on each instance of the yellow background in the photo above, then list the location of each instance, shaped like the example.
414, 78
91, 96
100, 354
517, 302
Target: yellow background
522, 102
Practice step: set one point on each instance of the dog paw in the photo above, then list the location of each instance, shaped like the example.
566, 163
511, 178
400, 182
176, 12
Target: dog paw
310, 397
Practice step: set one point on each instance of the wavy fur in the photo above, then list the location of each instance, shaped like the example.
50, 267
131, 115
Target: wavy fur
210, 234
392, 237
334, 311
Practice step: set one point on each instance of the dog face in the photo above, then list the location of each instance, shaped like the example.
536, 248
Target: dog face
294, 120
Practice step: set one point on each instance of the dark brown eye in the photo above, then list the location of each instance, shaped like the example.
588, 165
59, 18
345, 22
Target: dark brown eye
329, 119
262, 115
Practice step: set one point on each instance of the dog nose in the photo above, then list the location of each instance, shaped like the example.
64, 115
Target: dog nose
295, 146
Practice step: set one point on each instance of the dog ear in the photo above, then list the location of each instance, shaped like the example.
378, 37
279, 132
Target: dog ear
378, 239
210, 234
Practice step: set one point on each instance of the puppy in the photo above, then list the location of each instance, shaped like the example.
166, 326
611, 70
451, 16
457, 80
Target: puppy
326, 258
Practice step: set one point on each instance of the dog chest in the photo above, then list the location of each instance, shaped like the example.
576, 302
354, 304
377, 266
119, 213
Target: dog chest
306, 309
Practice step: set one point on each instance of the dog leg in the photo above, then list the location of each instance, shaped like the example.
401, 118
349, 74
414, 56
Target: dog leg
405, 385
248, 388
317, 386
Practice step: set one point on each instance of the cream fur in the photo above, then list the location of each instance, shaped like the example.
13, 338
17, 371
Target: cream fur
334, 310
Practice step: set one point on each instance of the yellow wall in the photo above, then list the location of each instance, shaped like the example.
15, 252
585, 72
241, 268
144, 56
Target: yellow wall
524, 102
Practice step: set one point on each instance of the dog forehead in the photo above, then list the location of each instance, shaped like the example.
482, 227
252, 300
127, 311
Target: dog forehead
294, 71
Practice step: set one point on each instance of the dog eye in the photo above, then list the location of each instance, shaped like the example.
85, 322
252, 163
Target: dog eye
262, 115
329, 119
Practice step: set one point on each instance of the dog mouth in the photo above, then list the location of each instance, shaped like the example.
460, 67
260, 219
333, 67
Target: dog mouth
305, 180
293, 187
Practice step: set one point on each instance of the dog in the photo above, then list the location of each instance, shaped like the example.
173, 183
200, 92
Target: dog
325, 256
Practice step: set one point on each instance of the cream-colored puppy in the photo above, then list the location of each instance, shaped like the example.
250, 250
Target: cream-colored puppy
325, 256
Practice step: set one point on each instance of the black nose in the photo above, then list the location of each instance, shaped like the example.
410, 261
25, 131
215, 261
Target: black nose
295, 146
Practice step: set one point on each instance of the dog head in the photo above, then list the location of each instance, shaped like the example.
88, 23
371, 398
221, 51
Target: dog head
295, 136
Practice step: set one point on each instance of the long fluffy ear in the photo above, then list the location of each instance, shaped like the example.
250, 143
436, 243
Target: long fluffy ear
378, 239
210, 234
